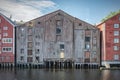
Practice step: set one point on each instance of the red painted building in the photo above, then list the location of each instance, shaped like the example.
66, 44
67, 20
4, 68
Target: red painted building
110, 41
6, 40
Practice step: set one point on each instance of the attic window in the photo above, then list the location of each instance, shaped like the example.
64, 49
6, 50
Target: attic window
39, 22
58, 13
30, 22
80, 24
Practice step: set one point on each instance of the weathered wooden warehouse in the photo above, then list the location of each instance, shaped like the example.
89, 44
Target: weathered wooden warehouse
58, 40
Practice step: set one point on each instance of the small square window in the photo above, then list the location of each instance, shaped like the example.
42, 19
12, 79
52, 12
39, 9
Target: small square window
116, 48
39, 22
116, 25
62, 46
116, 40
116, 33
5, 28
87, 39
5, 34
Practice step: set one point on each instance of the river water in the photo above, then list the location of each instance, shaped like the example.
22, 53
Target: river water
59, 74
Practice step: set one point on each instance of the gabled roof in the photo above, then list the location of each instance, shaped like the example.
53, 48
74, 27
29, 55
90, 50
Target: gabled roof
71, 18
108, 19
8, 19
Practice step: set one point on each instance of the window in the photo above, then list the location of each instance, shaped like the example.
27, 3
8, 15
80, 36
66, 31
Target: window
116, 25
29, 52
30, 38
94, 55
80, 24
94, 41
58, 23
7, 49
116, 57
37, 58
116, 40
21, 58
87, 39
22, 51
58, 30
116, 33
5, 34
30, 31
29, 59
22, 29
37, 51
29, 44
37, 36
87, 54
62, 46
7, 40
39, 22
116, 48
87, 46
37, 43
5, 28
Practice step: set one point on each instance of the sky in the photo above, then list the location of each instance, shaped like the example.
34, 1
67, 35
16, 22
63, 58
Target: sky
91, 11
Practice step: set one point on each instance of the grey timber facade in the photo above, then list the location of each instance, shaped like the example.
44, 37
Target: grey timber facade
56, 38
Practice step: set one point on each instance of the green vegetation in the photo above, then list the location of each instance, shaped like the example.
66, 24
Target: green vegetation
111, 14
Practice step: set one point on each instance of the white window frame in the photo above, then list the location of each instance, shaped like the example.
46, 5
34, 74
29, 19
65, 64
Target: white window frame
116, 40
116, 48
5, 34
116, 25
116, 57
7, 40
5, 28
116, 33
6, 49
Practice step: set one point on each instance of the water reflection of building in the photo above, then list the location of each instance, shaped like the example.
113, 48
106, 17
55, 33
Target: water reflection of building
110, 41
57, 39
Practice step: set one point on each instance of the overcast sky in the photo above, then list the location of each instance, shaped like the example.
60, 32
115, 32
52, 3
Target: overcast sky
91, 11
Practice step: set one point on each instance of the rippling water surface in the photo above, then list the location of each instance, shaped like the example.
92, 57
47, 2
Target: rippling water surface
59, 74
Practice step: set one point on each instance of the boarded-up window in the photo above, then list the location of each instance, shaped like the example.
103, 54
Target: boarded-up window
29, 59
29, 44
30, 31
87, 32
30, 38
58, 37
87, 54
29, 52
